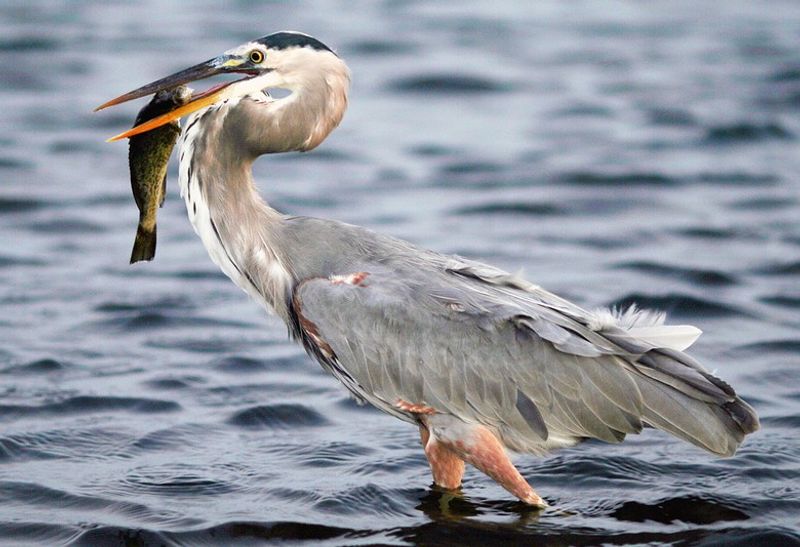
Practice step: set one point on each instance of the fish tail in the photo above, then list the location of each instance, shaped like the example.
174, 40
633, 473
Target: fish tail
144, 247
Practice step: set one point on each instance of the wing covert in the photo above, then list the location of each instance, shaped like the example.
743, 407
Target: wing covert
463, 350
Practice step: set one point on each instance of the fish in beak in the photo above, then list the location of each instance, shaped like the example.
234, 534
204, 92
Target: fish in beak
224, 64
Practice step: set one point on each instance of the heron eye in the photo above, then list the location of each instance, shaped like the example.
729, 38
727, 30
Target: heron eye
256, 56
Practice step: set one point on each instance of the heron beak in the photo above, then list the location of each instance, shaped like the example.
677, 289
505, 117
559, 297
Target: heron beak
220, 65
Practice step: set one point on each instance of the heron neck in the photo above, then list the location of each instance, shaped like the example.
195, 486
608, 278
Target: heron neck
238, 228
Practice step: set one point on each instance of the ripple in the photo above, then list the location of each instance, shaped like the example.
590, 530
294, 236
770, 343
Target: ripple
788, 74
390, 466
140, 321
592, 178
332, 454
174, 480
70, 146
277, 416
42, 496
679, 304
584, 110
10, 204
781, 268
431, 150
14, 261
368, 499
587, 470
146, 304
37, 496
65, 226
778, 376
599, 206
694, 275
39, 366
380, 47
671, 117
237, 364
175, 382
472, 168
763, 204
746, 132
478, 175
62, 443
782, 300
705, 232
151, 320
88, 403
38, 533
14, 163
180, 436
209, 344
28, 43
791, 346
200, 275
448, 84
737, 178
15, 447
792, 422
511, 208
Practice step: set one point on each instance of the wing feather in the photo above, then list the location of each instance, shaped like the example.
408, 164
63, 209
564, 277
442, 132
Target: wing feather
489, 348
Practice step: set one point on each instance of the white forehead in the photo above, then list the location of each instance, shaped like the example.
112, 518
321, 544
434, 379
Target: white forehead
246, 48
287, 58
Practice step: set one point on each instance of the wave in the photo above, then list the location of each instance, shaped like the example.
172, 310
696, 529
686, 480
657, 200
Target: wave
746, 132
39, 366
86, 404
448, 84
277, 416
697, 276
679, 304
511, 208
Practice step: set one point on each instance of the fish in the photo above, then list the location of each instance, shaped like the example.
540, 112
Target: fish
148, 157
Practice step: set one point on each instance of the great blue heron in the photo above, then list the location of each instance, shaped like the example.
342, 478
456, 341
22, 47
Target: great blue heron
481, 360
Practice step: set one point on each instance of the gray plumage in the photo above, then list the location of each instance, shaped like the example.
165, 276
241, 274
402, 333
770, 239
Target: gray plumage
456, 346
488, 347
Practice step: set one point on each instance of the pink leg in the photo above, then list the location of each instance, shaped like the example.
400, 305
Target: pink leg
447, 467
449, 442
485, 452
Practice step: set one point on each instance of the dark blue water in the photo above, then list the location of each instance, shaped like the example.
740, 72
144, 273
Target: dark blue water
616, 152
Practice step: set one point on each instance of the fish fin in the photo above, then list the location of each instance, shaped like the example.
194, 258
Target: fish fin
144, 246
163, 191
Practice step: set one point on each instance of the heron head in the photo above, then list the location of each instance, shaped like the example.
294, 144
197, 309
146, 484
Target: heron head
282, 60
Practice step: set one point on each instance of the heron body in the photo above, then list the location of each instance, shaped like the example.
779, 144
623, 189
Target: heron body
480, 360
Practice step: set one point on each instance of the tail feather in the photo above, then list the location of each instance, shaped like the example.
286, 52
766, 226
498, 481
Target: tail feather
144, 246
692, 404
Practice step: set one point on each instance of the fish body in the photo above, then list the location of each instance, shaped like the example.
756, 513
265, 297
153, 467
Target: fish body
148, 157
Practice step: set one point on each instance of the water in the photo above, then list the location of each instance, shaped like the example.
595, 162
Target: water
615, 151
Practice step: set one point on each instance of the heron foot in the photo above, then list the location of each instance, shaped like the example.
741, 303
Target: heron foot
449, 443
486, 452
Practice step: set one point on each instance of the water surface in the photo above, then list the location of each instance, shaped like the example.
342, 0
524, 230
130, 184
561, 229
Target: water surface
615, 152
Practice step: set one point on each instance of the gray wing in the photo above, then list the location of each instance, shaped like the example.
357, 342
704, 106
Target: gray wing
489, 348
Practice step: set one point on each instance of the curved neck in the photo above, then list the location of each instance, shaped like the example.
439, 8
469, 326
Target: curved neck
219, 145
237, 227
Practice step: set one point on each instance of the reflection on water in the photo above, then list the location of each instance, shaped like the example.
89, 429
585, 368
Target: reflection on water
617, 153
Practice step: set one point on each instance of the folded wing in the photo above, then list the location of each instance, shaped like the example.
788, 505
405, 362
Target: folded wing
492, 349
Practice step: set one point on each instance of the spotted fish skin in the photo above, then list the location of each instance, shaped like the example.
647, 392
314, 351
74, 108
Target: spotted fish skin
148, 157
